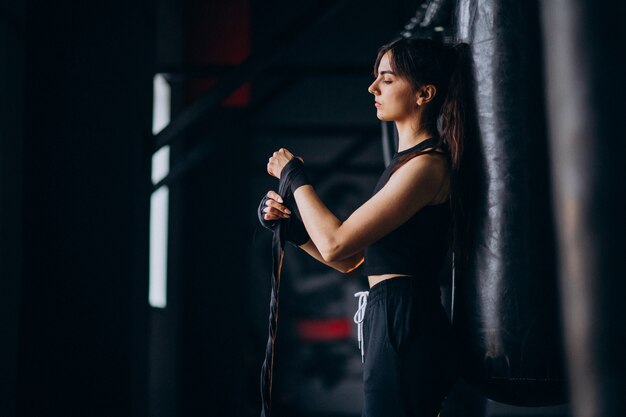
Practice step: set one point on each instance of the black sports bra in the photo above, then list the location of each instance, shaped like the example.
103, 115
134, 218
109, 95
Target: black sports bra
418, 246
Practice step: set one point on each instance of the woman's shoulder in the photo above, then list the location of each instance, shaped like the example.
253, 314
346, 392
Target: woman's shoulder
433, 159
424, 173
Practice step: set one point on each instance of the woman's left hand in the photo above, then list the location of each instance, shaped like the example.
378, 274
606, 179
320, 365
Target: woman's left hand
278, 160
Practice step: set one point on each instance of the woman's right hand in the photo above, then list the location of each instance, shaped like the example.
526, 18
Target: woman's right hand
271, 209
274, 209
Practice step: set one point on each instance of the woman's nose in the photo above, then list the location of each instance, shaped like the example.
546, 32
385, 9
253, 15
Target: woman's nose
372, 88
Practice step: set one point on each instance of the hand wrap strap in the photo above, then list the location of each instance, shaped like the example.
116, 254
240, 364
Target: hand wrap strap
293, 176
295, 232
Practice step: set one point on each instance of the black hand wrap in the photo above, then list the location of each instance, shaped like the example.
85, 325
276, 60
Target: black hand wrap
295, 232
294, 175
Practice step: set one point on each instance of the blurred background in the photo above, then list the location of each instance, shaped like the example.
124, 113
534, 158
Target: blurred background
135, 277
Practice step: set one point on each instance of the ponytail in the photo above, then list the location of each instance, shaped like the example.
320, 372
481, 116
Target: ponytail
458, 132
453, 117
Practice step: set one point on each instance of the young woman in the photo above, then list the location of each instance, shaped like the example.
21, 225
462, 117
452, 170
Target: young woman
402, 233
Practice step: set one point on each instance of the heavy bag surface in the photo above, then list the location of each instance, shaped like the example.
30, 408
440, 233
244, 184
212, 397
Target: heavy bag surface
585, 49
506, 306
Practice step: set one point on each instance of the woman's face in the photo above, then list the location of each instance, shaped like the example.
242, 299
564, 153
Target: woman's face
394, 97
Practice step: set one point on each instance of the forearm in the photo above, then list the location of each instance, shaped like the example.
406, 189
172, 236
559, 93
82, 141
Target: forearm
344, 266
321, 224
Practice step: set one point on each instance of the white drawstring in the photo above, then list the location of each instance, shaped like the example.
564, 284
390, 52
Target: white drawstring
358, 319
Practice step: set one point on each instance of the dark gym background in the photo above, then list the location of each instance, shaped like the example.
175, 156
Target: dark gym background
87, 89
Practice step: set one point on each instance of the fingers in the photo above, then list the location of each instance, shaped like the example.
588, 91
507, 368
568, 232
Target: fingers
272, 213
277, 207
287, 153
273, 167
275, 210
282, 155
278, 160
274, 195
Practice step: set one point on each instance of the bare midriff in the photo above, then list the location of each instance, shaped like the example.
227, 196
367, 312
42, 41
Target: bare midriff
375, 279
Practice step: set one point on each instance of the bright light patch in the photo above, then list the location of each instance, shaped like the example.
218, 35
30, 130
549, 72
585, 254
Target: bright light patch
159, 201
158, 247
161, 104
160, 164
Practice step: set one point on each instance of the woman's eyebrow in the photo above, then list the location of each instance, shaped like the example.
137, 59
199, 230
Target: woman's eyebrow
387, 72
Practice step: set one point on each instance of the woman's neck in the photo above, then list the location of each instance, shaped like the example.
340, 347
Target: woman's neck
408, 136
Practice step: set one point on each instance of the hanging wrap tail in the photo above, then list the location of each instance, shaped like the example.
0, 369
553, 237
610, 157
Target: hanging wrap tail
292, 176
268, 363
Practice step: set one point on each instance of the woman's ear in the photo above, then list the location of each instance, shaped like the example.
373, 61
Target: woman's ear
425, 94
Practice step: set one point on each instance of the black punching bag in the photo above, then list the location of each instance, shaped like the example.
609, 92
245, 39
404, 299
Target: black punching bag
585, 50
506, 305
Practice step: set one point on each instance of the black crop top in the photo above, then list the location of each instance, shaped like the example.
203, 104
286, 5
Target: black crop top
418, 246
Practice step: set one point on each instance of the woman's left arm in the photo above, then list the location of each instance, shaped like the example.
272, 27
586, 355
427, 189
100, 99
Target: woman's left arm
414, 185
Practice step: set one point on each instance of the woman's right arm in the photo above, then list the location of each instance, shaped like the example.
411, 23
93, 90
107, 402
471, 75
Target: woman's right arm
275, 211
345, 265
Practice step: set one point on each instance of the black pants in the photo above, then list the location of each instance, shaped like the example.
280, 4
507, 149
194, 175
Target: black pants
410, 355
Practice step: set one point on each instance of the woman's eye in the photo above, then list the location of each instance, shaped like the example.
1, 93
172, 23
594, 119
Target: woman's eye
387, 81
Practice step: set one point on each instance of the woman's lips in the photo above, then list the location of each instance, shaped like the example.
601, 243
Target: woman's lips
377, 104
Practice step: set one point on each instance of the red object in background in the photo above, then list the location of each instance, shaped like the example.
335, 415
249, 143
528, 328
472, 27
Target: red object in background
218, 33
324, 330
